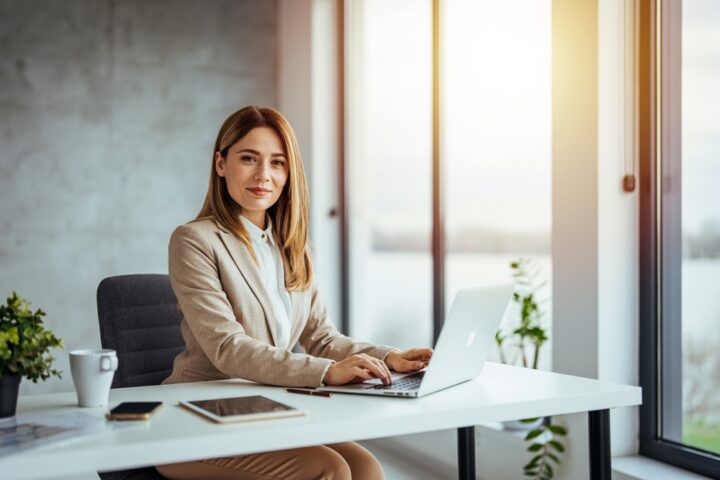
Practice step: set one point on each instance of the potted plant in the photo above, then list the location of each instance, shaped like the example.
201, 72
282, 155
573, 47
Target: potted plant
526, 340
530, 335
24, 350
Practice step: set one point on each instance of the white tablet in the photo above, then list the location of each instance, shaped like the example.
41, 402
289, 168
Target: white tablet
241, 409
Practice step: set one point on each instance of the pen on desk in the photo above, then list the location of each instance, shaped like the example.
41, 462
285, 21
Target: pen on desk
318, 393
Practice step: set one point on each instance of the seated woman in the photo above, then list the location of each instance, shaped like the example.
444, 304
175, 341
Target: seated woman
243, 277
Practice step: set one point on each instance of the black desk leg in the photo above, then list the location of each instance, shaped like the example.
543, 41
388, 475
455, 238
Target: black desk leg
599, 431
466, 453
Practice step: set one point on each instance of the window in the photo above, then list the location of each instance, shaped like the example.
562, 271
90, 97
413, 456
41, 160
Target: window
496, 99
497, 156
497, 143
389, 172
680, 233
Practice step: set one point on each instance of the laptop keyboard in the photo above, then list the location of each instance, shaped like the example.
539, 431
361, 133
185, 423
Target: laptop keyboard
410, 382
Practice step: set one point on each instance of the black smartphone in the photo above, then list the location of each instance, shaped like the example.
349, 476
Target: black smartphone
134, 410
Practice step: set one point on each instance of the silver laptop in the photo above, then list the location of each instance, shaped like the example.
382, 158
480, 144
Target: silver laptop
462, 347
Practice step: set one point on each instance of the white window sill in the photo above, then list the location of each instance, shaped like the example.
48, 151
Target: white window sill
637, 467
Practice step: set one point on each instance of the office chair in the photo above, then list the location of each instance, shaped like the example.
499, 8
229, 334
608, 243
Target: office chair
140, 320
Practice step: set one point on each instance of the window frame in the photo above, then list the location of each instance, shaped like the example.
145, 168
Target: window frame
660, 244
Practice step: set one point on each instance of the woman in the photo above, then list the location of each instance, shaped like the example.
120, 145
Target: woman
243, 277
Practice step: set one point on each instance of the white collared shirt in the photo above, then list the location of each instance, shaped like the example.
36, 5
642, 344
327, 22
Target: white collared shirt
272, 272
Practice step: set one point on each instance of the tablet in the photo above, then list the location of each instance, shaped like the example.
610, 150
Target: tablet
241, 409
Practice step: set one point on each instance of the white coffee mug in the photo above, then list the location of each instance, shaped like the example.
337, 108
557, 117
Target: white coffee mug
92, 373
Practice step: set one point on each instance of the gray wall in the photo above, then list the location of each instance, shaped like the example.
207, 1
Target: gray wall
108, 113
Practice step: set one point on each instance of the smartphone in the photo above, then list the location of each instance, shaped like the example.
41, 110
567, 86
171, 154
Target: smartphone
134, 410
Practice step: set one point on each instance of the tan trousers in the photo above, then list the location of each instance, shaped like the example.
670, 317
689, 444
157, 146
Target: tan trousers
340, 461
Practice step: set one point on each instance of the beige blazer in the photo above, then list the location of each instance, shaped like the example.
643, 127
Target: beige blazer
228, 322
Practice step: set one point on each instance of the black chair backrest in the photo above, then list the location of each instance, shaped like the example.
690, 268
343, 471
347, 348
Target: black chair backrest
140, 319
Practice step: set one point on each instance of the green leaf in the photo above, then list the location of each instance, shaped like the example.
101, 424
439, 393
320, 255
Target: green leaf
529, 420
533, 462
557, 429
535, 447
534, 433
557, 445
554, 457
13, 335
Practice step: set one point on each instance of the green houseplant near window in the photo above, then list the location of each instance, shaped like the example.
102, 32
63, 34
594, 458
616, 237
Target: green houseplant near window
24, 350
527, 338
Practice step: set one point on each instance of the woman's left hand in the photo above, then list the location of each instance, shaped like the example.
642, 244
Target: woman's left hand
410, 360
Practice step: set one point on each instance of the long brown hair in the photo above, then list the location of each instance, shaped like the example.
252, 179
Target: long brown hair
289, 215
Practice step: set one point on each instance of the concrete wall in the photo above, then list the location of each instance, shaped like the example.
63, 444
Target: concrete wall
108, 113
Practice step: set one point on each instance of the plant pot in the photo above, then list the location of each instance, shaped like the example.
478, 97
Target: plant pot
518, 426
9, 384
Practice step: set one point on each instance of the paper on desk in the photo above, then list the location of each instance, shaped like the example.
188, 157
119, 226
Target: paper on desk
34, 430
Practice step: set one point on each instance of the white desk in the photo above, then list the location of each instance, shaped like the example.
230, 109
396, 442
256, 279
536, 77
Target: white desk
174, 434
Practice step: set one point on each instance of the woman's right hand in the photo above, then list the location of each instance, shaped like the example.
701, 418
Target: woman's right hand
357, 368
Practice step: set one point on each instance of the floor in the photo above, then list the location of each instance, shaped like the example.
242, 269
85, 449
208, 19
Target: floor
399, 468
